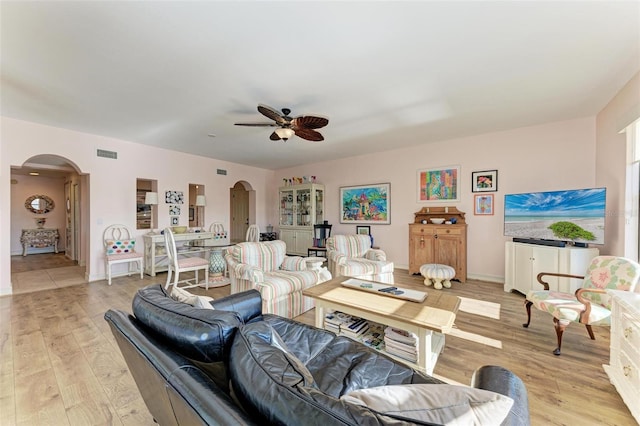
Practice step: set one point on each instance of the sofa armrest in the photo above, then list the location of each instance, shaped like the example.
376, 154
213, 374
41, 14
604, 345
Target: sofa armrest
336, 257
375, 254
500, 380
247, 272
247, 304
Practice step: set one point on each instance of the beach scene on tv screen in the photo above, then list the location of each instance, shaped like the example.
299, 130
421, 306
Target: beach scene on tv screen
575, 215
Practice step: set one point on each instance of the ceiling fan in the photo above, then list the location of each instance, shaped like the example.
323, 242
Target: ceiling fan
301, 126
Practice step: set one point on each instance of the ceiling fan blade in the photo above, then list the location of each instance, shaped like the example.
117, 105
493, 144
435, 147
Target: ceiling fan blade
271, 113
257, 124
309, 122
308, 134
274, 137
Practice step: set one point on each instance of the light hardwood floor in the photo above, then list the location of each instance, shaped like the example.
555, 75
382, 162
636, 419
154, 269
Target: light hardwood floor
59, 363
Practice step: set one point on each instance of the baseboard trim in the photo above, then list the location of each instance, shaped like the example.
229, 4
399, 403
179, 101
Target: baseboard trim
488, 278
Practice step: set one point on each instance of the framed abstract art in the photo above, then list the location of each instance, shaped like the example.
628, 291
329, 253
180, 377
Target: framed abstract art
439, 184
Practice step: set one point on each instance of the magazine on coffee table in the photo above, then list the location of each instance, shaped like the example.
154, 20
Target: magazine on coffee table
385, 289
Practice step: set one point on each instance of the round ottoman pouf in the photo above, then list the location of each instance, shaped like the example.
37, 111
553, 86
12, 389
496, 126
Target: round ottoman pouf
437, 274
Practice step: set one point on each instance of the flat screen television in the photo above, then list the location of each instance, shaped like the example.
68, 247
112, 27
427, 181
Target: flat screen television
576, 216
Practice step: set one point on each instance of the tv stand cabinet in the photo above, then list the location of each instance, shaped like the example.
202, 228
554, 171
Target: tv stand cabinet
523, 263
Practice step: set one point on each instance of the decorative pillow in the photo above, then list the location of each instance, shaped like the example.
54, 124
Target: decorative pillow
120, 246
293, 263
435, 403
181, 295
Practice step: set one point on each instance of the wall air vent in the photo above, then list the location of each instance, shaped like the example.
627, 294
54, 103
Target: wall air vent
107, 154
222, 172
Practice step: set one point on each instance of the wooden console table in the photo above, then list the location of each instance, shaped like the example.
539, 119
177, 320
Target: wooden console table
429, 320
39, 238
155, 253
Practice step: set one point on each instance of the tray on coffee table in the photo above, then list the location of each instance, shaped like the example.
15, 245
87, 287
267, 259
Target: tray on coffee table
394, 291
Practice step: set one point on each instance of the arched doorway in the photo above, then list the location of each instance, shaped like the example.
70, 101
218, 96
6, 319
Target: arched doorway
61, 180
242, 202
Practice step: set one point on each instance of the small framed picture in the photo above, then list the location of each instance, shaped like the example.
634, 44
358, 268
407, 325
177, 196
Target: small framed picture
174, 210
484, 181
483, 204
175, 220
363, 230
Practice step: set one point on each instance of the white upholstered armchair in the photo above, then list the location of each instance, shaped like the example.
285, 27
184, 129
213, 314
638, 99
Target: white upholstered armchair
352, 255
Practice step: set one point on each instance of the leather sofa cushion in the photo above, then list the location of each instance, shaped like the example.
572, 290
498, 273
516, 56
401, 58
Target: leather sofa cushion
202, 335
305, 376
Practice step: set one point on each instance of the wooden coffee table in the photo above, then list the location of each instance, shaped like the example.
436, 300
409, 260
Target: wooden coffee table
429, 320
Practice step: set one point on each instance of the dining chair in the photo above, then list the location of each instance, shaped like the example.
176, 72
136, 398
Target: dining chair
177, 264
253, 234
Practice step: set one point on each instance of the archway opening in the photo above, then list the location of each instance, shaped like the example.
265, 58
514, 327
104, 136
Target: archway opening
53, 238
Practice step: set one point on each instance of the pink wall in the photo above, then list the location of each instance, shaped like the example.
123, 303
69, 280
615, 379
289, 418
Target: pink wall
111, 184
551, 156
611, 159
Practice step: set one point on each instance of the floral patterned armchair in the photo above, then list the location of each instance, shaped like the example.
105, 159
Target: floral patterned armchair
352, 255
591, 304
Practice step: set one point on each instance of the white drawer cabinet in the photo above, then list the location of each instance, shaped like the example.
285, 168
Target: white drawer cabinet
523, 263
624, 366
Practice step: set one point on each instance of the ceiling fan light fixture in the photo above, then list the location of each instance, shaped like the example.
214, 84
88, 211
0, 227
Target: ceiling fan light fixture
284, 133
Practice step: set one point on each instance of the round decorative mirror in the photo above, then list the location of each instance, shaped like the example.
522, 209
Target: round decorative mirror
39, 204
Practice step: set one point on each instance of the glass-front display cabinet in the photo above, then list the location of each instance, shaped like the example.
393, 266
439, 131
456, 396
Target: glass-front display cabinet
301, 207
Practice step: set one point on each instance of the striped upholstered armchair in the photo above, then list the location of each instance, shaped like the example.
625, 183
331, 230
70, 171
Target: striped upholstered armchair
279, 278
352, 255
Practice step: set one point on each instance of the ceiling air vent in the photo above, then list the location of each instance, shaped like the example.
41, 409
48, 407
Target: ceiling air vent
107, 154
221, 172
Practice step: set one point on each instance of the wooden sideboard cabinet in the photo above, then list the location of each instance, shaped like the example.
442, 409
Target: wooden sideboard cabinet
434, 243
624, 367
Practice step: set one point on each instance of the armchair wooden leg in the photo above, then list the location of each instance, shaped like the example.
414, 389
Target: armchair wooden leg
590, 331
527, 306
560, 326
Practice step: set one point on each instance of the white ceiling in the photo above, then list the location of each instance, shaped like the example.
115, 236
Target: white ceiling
386, 74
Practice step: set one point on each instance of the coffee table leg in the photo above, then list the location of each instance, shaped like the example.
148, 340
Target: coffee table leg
424, 351
319, 314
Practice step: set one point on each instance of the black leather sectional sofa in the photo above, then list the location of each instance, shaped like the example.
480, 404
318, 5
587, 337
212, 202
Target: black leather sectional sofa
233, 366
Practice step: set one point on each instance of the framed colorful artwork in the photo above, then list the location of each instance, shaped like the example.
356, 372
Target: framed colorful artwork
483, 204
485, 181
439, 184
365, 204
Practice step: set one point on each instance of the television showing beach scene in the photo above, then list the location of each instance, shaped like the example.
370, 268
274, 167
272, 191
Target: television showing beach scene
575, 215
